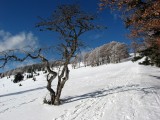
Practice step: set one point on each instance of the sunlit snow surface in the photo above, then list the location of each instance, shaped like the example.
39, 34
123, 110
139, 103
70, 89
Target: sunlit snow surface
124, 91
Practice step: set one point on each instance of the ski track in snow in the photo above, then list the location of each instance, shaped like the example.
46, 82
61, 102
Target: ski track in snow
87, 109
4, 109
92, 108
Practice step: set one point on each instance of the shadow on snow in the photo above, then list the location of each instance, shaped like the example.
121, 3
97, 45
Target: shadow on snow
21, 92
157, 77
105, 92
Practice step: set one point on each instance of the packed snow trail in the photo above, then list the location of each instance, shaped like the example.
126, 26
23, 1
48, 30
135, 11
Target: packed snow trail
125, 91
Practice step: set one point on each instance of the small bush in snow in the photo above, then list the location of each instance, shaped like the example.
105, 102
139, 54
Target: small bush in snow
34, 79
30, 76
45, 101
18, 77
136, 58
45, 72
146, 62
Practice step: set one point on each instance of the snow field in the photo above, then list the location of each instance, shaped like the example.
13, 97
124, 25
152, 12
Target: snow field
124, 91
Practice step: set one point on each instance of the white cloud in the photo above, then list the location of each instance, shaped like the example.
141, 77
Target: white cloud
17, 41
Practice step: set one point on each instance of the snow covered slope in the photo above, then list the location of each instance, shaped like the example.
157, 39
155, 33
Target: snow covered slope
125, 91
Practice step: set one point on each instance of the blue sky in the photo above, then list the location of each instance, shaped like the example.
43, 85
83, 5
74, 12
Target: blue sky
18, 19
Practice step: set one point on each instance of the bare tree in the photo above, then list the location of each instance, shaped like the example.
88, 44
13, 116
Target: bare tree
86, 61
70, 22
76, 61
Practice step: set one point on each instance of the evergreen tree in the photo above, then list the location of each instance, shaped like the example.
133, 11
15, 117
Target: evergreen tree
18, 77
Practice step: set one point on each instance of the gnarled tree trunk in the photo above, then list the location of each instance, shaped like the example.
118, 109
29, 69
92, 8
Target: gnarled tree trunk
49, 88
62, 78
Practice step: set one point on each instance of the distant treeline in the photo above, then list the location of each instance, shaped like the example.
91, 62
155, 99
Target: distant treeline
112, 52
30, 68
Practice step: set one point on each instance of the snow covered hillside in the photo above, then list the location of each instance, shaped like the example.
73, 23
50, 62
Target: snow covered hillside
124, 91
